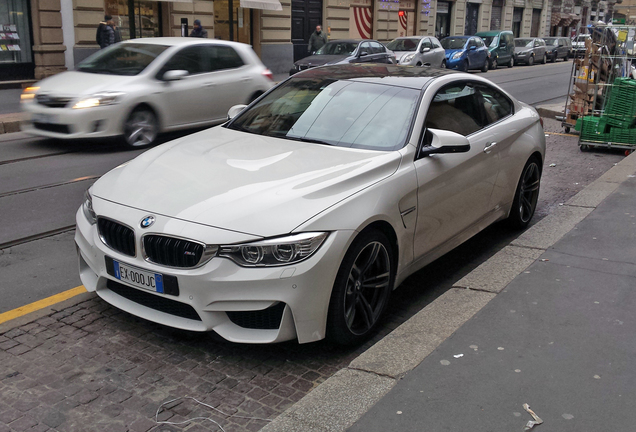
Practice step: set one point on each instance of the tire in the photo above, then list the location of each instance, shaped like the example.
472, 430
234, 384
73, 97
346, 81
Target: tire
531, 60
464, 66
495, 65
526, 195
545, 59
554, 59
567, 129
362, 288
511, 63
141, 128
443, 66
484, 68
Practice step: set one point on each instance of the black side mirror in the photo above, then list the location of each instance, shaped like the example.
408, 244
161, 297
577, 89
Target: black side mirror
502, 45
438, 141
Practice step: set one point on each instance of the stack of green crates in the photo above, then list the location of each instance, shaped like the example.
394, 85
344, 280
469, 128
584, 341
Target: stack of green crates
620, 111
593, 129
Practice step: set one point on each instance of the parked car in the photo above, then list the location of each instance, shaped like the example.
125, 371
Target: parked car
501, 45
141, 87
558, 48
465, 52
418, 51
298, 217
346, 51
530, 51
578, 45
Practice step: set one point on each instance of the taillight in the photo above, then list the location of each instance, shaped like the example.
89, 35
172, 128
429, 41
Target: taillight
268, 74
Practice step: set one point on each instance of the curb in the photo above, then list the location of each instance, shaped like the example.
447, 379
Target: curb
341, 400
10, 123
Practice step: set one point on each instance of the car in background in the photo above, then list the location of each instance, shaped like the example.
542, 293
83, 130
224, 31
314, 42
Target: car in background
418, 51
141, 87
501, 45
578, 45
530, 51
465, 52
346, 51
298, 217
558, 48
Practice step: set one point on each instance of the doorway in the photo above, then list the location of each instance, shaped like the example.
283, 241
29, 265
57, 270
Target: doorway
472, 16
135, 18
306, 15
231, 22
443, 19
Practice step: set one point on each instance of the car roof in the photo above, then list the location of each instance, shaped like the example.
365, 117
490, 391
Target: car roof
492, 32
180, 41
412, 37
415, 77
350, 40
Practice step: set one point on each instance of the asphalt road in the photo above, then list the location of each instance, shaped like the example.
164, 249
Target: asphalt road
42, 183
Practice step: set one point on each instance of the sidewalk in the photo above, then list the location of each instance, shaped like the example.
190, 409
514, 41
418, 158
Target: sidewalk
547, 321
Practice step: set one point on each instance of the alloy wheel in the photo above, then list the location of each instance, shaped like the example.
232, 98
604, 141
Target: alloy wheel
368, 288
529, 191
141, 128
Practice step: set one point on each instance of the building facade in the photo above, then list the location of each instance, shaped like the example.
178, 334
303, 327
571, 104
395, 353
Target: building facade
55, 35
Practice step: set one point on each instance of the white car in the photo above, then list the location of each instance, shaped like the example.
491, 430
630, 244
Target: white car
418, 51
298, 217
141, 87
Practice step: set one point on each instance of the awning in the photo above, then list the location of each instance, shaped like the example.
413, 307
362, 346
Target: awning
262, 4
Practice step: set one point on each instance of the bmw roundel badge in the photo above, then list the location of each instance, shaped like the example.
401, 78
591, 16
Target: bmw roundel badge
147, 221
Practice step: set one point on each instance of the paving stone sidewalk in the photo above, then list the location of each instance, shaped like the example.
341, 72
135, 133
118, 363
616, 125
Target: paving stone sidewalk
91, 367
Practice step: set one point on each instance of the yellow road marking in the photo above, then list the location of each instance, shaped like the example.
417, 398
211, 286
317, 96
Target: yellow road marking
41, 304
560, 134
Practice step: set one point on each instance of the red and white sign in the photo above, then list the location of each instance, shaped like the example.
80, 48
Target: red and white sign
360, 22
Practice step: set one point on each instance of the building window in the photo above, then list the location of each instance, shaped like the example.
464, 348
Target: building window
232, 22
16, 58
135, 18
495, 15
443, 19
517, 16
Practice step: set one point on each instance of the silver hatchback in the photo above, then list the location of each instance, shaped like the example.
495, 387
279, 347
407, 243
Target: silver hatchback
418, 51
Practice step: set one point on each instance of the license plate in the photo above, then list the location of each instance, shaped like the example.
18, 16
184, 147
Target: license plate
137, 277
43, 118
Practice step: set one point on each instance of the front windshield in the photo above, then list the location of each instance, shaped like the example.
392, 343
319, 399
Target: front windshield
327, 111
409, 44
491, 41
122, 59
581, 38
453, 43
337, 48
551, 41
520, 43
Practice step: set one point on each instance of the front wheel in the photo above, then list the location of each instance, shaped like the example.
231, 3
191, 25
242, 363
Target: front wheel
494, 65
530, 60
511, 63
443, 66
484, 68
545, 59
362, 288
526, 195
141, 128
554, 58
464, 66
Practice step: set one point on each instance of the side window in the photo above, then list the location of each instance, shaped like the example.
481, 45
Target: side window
456, 108
191, 59
224, 57
436, 43
472, 42
366, 47
561, 43
377, 47
426, 43
495, 105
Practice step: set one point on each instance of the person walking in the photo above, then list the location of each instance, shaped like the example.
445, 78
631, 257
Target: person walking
198, 30
100, 31
106, 32
317, 40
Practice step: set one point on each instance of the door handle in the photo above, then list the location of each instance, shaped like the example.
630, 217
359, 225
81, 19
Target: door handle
210, 84
489, 147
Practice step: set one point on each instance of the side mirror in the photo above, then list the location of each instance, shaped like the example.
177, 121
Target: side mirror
425, 50
443, 141
175, 75
502, 45
472, 47
234, 111
363, 53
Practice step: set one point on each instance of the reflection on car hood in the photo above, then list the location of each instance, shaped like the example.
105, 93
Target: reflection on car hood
399, 54
82, 83
319, 60
257, 185
450, 52
522, 49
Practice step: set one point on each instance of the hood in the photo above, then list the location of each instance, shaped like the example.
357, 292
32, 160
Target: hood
522, 49
238, 181
82, 83
319, 60
451, 52
400, 54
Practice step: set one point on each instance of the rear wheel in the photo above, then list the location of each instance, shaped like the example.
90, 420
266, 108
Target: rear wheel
141, 128
362, 288
443, 66
526, 195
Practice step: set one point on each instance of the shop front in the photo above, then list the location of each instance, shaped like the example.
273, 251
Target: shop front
16, 56
135, 18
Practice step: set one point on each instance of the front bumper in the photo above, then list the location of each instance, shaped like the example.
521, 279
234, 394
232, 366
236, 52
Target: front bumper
69, 123
454, 64
220, 286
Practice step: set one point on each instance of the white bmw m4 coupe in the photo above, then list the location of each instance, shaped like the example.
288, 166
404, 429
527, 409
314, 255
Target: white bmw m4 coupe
298, 217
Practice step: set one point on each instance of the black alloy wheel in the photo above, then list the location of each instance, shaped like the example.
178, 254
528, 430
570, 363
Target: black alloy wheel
362, 289
526, 195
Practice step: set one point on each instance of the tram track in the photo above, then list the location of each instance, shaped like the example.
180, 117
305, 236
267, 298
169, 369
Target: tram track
47, 186
34, 237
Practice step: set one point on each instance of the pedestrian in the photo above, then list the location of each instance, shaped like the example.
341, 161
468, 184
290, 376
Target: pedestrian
108, 34
198, 30
317, 40
100, 30
117, 32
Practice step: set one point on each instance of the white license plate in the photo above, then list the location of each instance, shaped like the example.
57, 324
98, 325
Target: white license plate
43, 118
138, 277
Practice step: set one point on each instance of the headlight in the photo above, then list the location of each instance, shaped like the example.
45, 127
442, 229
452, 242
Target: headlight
28, 93
407, 58
274, 252
98, 99
457, 55
87, 207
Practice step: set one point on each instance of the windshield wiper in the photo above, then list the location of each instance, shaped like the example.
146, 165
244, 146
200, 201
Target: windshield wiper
310, 140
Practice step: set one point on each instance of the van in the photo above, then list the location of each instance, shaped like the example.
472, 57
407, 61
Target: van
501, 45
